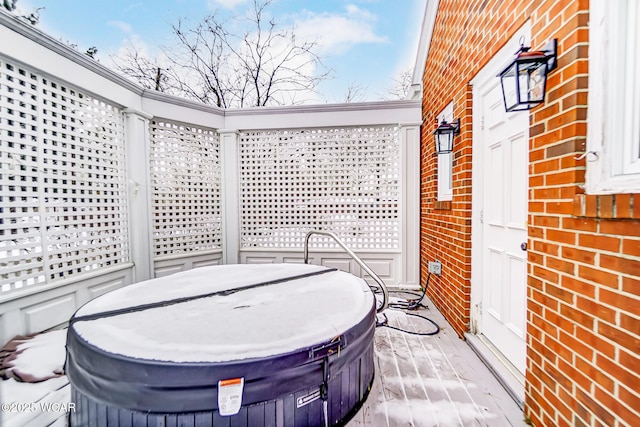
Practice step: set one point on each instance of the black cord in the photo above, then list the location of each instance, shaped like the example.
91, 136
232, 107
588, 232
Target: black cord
385, 323
410, 304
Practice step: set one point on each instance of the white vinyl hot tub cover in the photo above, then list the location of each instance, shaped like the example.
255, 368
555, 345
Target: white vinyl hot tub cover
258, 322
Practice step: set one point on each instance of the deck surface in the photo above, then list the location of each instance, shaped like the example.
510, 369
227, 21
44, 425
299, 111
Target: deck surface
432, 380
420, 381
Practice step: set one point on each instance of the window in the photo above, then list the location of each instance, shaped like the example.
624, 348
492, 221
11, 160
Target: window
445, 163
613, 132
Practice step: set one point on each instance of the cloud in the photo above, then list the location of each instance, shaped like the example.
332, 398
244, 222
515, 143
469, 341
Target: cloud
336, 33
227, 4
133, 6
122, 26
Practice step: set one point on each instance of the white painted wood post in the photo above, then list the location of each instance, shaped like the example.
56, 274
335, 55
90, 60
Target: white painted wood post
140, 221
410, 204
229, 158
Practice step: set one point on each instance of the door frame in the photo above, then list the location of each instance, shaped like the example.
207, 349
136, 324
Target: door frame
515, 382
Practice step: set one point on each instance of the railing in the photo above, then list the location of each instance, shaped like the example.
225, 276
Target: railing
356, 258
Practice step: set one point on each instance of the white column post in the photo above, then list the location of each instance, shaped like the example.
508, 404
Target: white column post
140, 221
229, 146
410, 203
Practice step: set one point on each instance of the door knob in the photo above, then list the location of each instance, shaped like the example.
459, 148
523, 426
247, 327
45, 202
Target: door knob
523, 246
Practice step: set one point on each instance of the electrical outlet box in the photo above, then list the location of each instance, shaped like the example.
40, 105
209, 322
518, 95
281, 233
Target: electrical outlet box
435, 267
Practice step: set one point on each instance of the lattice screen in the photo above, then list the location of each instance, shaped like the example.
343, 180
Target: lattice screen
185, 176
62, 181
344, 180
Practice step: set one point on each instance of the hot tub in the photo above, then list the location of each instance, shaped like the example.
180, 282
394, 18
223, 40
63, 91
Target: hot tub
233, 345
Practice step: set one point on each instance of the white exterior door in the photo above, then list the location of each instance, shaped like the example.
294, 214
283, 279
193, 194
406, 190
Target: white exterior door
504, 140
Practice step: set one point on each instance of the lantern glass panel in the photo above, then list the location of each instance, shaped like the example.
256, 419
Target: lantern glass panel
444, 142
537, 76
510, 88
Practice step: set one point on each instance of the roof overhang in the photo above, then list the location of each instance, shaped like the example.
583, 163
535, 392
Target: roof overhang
426, 31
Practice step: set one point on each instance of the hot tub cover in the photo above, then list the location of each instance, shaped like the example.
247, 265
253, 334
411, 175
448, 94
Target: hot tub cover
268, 311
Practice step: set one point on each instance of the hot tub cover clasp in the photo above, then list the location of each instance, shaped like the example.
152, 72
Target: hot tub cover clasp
328, 349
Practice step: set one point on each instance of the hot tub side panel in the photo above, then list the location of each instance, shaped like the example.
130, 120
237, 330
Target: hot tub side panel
348, 388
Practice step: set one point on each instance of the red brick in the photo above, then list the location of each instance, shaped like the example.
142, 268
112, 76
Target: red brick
558, 349
623, 228
591, 205
582, 224
579, 255
578, 286
546, 221
576, 98
623, 265
619, 300
598, 276
573, 130
545, 167
596, 342
597, 409
562, 323
595, 373
564, 177
560, 265
577, 316
623, 206
596, 309
561, 236
631, 247
630, 361
631, 286
619, 337
629, 395
565, 208
545, 139
617, 407
604, 243
547, 248
545, 274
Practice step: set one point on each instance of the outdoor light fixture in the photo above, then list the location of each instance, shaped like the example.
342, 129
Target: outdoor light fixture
444, 136
524, 80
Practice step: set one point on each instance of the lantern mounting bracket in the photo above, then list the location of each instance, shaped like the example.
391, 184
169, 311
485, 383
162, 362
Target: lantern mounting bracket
551, 51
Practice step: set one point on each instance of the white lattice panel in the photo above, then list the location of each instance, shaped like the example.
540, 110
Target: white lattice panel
185, 176
344, 180
62, 181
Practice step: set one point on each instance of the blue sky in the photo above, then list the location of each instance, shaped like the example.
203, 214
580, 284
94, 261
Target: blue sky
366, 42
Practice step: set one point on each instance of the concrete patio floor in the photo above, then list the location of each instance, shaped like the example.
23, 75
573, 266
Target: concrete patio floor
420, 381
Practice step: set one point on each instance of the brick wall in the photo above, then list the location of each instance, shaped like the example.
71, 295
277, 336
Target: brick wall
583, 358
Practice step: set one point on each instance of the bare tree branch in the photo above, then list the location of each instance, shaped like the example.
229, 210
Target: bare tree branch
400, 86
354, 93
264, 65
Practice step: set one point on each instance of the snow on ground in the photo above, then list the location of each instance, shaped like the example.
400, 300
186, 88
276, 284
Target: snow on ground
42, 356
38, 403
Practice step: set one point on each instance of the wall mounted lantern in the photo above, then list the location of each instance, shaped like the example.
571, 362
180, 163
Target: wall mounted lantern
444, 135
524, 80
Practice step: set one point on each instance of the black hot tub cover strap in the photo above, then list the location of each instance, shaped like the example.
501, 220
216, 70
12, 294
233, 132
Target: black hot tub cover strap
158, 304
